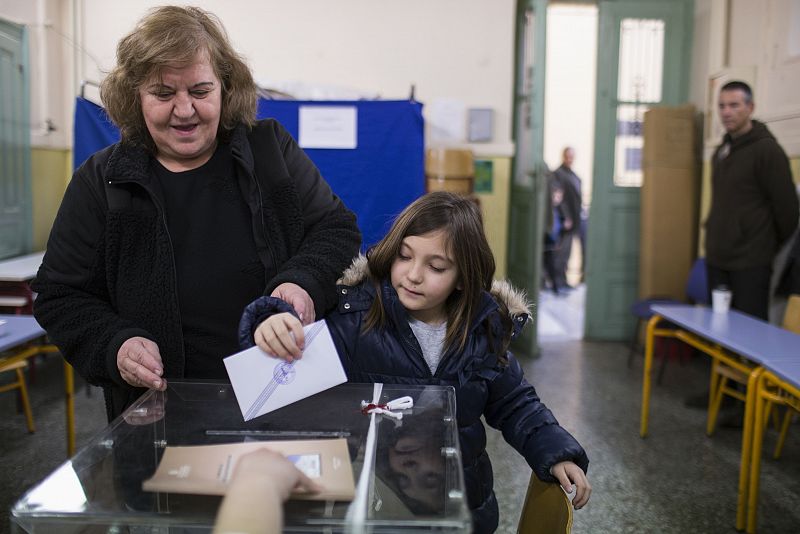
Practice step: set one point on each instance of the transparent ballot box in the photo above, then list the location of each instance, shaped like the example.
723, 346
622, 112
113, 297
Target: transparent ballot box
407, 472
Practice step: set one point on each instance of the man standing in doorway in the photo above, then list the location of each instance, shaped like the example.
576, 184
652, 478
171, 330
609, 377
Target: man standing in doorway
754, 206
572, 207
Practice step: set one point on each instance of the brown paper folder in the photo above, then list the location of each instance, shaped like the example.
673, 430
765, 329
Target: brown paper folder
207, 469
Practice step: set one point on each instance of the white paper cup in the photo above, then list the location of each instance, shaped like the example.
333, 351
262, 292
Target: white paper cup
721, 300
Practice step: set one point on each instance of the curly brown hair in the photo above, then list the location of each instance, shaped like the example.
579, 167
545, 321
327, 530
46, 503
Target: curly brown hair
173, 36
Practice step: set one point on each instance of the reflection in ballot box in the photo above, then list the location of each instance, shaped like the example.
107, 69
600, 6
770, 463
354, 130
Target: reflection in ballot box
413, 466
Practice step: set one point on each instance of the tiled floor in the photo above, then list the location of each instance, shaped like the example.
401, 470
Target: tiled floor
561, 316
675, 481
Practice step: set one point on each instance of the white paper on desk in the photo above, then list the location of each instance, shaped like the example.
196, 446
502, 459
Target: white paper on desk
263, 383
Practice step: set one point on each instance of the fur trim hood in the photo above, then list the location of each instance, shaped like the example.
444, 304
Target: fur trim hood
515, 299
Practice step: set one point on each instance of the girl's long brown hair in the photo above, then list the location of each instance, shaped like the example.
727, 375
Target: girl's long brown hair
462, 225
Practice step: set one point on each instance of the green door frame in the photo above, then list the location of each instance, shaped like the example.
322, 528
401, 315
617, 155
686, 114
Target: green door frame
528, 175
16, 213
612, 266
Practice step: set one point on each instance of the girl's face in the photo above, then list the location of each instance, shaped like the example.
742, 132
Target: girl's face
418, 466
424, 275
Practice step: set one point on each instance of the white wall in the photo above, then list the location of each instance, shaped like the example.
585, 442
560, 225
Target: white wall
777, 65
47, 23
760, 43
462, 49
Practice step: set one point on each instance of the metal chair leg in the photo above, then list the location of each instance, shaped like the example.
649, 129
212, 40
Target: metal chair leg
634, 345
25, 403
716, 401
787, 420
666, 355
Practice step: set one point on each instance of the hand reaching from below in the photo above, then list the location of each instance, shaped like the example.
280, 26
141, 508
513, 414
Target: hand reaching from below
282, 473
261, 481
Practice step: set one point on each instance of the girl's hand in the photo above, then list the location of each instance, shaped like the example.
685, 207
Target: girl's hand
282, 336
567, 474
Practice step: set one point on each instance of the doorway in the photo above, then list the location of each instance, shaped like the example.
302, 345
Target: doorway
570, 84
642, 60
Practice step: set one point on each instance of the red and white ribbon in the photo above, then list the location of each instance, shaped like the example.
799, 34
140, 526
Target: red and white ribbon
403, 403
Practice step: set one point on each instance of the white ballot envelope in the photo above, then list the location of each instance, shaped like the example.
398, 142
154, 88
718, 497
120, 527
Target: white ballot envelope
263, 383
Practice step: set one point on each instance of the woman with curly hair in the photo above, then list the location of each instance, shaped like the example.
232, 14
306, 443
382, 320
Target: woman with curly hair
163, 238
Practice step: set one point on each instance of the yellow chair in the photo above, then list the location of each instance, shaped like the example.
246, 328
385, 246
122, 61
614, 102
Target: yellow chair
791, 322
547, 509
722, 374
17, 364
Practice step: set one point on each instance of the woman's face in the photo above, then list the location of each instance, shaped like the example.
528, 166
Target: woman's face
181, 110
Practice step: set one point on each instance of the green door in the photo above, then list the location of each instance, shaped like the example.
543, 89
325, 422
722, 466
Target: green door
643, 61
16, 222
528, 182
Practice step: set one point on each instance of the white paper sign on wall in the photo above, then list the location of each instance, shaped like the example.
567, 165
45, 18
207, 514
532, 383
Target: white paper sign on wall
328, 127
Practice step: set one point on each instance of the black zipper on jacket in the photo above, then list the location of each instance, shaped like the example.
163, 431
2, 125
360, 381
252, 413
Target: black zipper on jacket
239, 159
161, 211
264, 228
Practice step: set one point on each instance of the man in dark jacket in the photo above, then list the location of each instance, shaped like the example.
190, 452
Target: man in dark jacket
572, 208
754, 206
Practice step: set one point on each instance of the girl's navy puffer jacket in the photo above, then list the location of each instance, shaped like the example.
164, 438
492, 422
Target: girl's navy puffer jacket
484, 385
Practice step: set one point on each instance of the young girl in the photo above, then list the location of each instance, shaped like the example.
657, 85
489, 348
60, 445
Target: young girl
422, 309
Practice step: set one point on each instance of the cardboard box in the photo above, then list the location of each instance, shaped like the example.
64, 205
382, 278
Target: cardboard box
669, 202
670, 137
441, 162
454, 185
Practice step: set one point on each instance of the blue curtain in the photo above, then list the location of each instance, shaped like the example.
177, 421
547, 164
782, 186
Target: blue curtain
93, 130
376, 180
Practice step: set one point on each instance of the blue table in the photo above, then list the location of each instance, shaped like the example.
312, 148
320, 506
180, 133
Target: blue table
726, 337
17, 331
743, 334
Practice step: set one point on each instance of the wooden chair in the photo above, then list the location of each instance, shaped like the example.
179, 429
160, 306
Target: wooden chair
547, 509
17, 365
